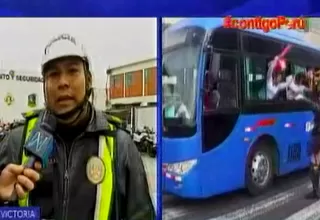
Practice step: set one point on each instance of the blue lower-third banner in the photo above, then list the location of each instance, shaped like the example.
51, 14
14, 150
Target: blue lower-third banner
19, 213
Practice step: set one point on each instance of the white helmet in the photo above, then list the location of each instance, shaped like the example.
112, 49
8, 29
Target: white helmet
63, 45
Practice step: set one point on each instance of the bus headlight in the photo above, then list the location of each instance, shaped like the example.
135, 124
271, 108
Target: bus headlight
181, 168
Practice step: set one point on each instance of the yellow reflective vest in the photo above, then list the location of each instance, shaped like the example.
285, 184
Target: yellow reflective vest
105, 188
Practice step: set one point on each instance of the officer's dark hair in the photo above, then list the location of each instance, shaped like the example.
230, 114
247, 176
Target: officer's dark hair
88, 80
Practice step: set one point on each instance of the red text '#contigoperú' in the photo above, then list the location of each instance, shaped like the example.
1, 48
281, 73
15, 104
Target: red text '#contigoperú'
266, 24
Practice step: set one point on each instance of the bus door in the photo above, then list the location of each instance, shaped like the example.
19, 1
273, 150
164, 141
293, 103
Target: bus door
220, 100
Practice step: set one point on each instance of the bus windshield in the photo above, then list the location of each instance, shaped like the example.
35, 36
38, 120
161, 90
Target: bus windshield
180, 65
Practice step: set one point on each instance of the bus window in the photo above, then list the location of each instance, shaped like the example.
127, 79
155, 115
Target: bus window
297, 69
227, 85
255, 78
211, 95
225, 39
261, 46
303, 56
221, 91
181, 52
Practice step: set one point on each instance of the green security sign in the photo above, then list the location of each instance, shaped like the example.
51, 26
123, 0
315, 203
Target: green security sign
9, 99
32, 100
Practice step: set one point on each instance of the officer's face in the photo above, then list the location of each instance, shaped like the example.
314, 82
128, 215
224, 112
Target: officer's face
65, 84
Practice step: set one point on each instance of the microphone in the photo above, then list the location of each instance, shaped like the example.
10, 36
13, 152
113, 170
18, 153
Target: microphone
39, 146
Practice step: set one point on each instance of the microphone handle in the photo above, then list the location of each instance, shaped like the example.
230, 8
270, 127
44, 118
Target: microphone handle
30, 162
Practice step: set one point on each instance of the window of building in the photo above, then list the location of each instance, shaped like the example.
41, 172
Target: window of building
115, 81
129, 81
314, 24
147, 73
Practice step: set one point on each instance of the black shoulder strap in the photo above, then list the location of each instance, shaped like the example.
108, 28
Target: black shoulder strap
115, 168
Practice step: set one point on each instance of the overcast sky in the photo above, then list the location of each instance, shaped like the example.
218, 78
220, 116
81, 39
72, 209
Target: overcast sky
108, 41
171, 20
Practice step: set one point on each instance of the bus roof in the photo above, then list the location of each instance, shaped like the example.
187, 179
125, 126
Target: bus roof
290, 36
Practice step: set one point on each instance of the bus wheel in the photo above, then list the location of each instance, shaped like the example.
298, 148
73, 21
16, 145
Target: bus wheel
259, 172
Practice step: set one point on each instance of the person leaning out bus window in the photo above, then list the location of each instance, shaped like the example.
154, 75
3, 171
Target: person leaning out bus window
297, 86
96, 172
275, 83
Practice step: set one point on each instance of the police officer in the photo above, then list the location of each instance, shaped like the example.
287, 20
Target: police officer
96, 171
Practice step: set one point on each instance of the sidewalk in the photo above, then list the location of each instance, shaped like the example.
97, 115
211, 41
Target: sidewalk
150, 167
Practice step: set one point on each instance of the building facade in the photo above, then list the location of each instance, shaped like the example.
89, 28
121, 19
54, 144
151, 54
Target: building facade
132, 84
20, 91
312, 33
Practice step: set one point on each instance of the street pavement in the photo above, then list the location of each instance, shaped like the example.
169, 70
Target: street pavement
150, 168
284, 201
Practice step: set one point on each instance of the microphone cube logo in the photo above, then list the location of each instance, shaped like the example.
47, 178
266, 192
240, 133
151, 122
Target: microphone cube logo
38, 141
40, 144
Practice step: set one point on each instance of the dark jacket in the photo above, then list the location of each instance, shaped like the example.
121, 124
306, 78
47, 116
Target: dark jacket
74, 198
315, 139
315, 142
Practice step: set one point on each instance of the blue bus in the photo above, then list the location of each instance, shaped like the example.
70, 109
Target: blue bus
245, 140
